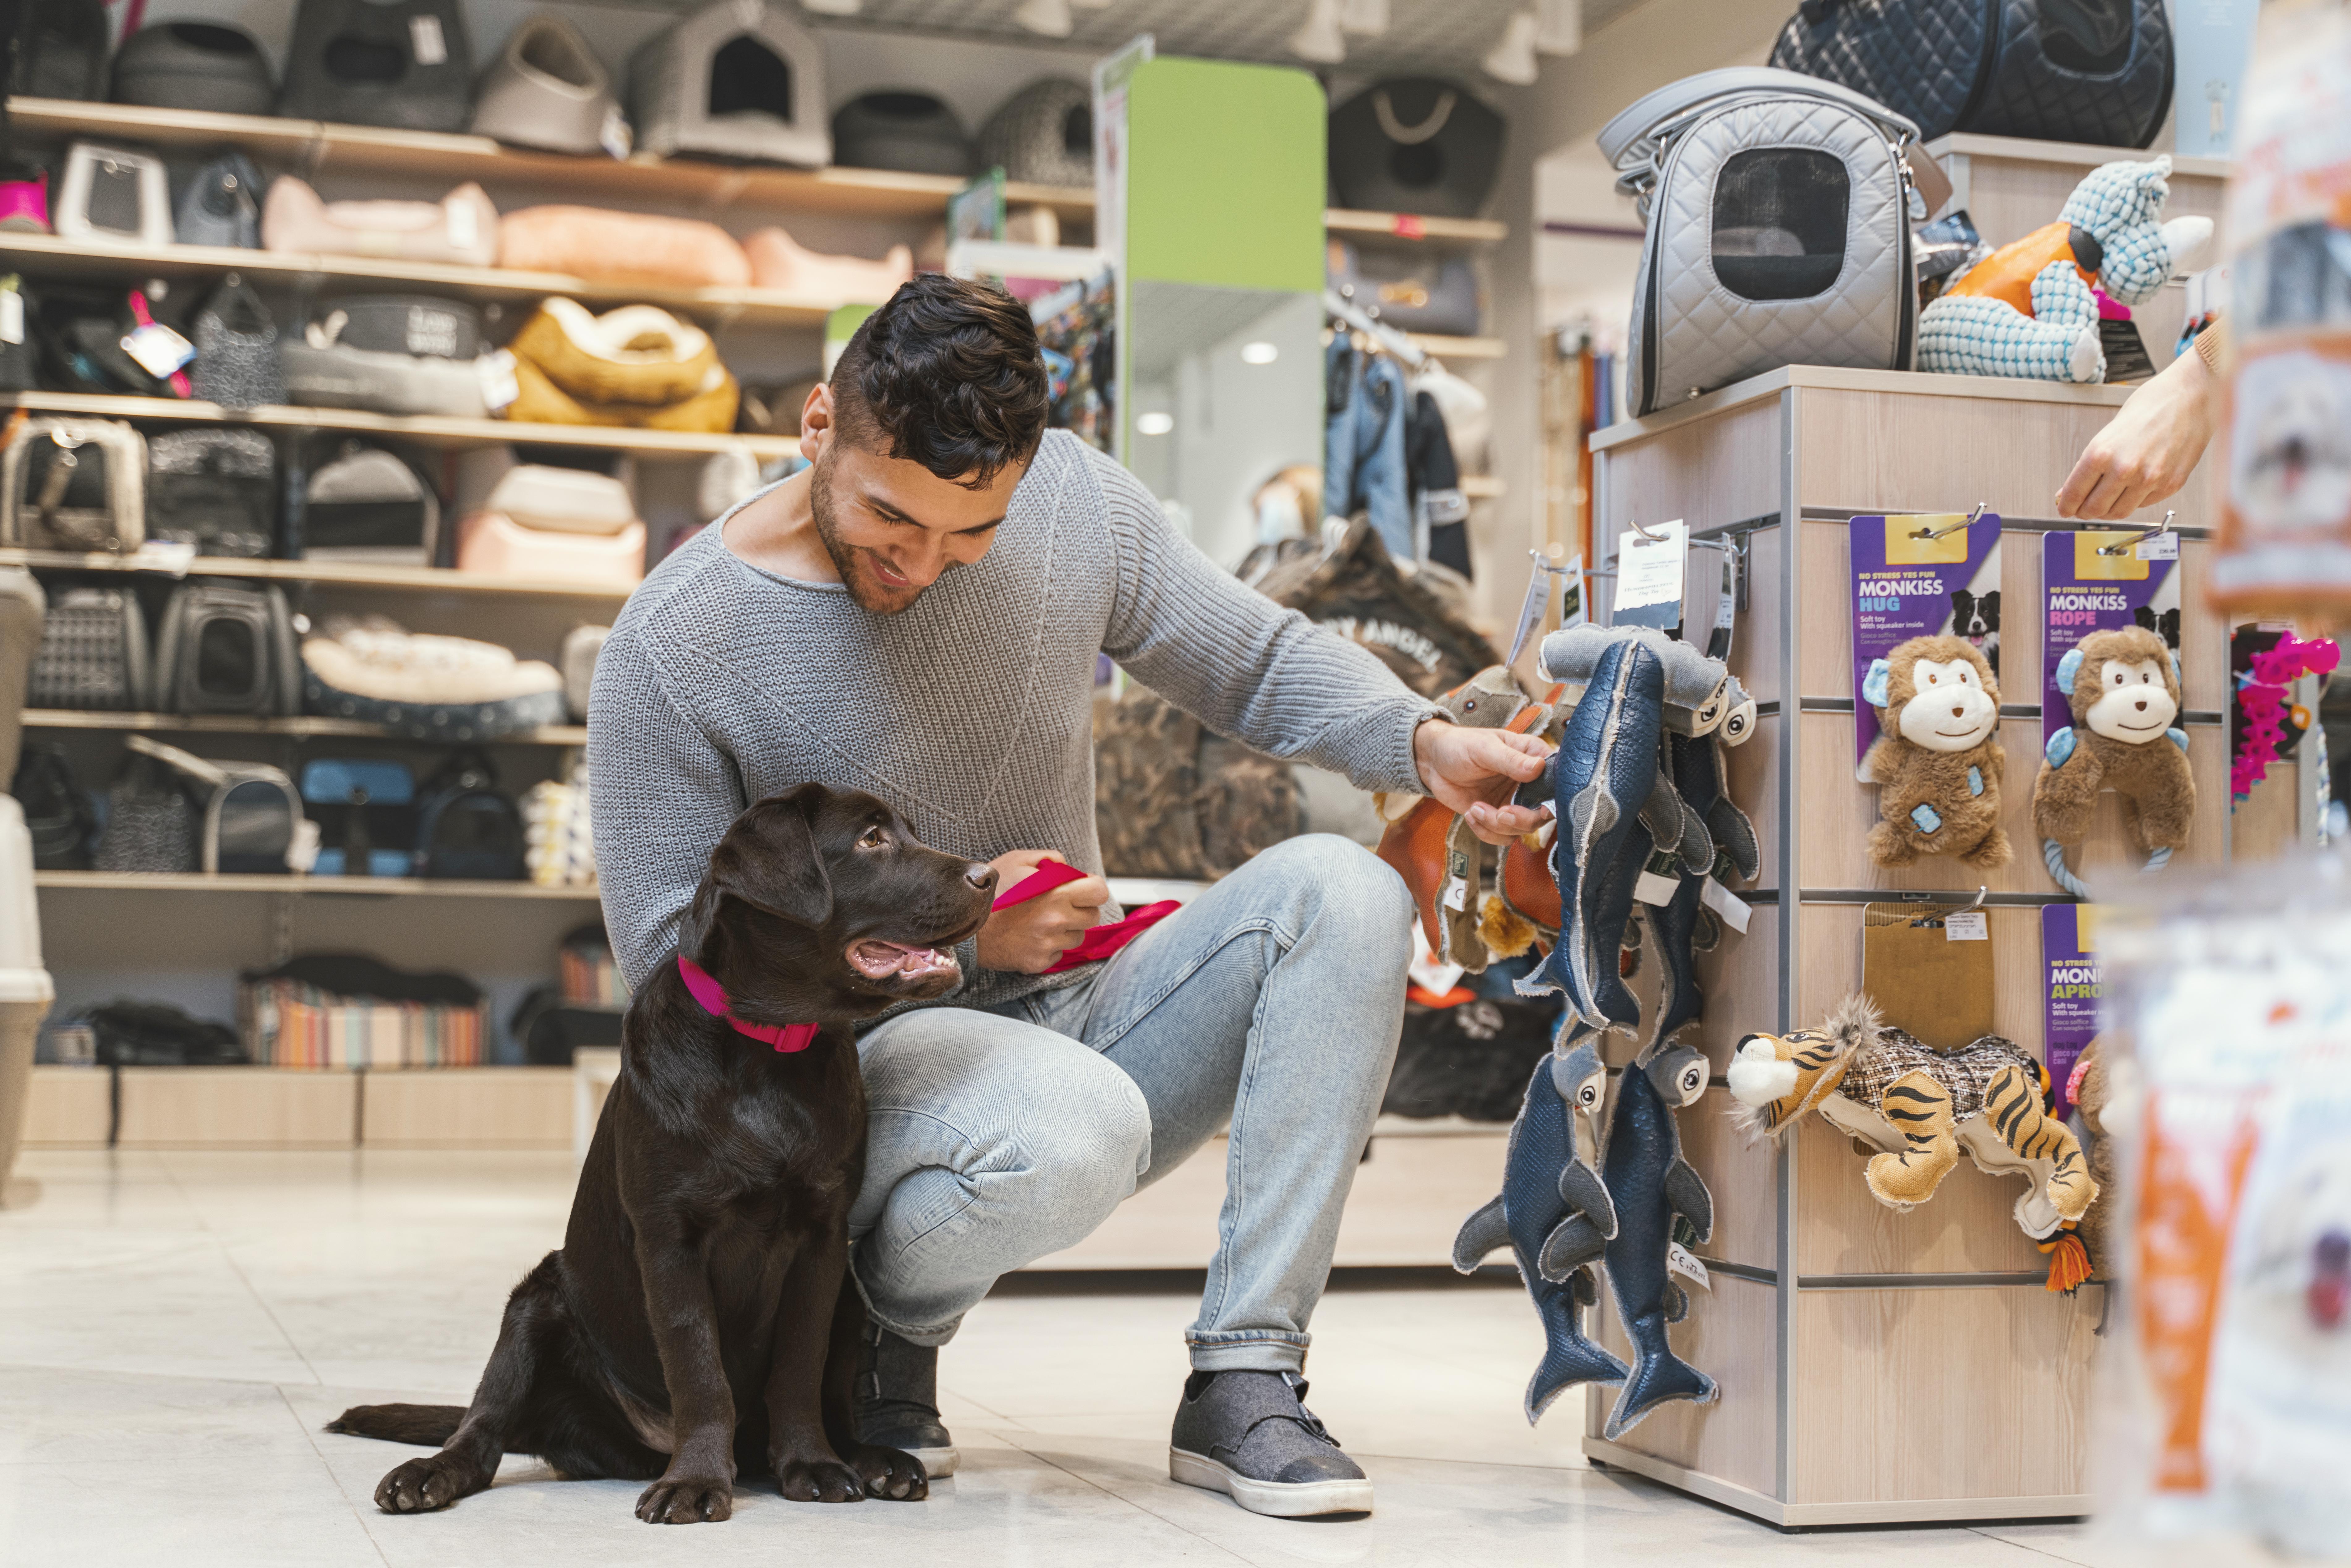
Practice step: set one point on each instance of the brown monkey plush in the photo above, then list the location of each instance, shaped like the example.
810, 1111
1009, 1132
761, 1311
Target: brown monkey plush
1937, 759
2123, 689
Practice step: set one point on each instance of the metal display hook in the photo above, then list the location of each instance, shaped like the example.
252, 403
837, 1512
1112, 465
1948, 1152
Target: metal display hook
1969, 521
2139, 537
1942, 917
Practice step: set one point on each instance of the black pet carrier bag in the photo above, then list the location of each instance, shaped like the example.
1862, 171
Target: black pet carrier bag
466, 827
405, 65
93, 652
2056, 70
215, 489
228, 647
1417, 144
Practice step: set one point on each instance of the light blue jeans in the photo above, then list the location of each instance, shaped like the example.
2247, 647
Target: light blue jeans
1271, 1003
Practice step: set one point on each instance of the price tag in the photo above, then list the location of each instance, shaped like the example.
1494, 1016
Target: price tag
1457, 894
425, 40
1649, 570
465, 227
1679, 1261
499, 386
173, 556
614, 136
12, 317
159, 351
1654, 889
1734, 910
2163, 546
1967, 925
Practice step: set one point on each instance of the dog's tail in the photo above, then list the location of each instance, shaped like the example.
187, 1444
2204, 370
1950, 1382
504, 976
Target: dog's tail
426, 1426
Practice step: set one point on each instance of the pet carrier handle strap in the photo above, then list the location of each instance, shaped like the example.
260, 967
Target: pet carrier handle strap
196, 766
1628, 139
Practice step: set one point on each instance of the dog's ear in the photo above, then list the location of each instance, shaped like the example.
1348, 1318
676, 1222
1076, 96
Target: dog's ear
776, 866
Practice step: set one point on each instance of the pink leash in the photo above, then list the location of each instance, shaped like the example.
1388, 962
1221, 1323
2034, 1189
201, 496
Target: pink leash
712, 996
1100, 942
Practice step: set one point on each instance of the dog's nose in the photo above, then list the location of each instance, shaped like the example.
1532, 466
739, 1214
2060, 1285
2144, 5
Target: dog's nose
982, 878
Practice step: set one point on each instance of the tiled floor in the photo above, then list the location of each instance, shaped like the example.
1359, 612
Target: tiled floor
175, 1329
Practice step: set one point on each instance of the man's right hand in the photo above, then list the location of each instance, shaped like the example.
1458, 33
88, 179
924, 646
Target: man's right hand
1029, 938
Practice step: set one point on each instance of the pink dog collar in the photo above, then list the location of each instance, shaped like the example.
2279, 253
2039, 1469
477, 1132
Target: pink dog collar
712, 996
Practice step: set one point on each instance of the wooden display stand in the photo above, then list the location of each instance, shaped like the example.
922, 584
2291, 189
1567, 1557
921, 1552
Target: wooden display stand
1879, 1367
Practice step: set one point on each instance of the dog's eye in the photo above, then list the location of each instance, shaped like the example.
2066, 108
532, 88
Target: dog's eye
872, 839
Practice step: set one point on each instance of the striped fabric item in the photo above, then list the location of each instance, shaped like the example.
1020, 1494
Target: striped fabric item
288, 1024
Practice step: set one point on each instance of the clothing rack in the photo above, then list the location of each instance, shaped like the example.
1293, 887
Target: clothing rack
1387, 338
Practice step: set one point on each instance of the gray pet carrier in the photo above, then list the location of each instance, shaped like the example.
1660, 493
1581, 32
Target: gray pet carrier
73, 484
1778, 210
92, 654
401, 63
1043, 134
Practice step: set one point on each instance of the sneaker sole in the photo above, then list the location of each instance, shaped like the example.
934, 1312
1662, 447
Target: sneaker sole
937, 1463
1279, 1499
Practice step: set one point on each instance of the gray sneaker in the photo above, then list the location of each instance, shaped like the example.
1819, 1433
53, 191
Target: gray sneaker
1246, 1434
898, 1399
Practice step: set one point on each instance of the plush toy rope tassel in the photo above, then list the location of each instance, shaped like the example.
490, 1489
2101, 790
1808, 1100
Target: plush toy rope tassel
2054, 853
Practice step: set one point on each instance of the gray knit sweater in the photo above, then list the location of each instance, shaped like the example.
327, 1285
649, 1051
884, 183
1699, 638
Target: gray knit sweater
971, 712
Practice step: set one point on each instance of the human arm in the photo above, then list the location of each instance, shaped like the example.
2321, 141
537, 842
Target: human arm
1266, 676
661, 795
2149, 448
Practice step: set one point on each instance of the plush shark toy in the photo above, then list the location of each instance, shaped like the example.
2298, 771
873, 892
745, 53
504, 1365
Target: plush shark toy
1651, 1186
1695, 763
1555, 1216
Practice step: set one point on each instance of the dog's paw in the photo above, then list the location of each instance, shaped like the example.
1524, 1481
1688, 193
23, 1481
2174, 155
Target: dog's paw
818, 1481
420, 1486
688, 1499
887, 1473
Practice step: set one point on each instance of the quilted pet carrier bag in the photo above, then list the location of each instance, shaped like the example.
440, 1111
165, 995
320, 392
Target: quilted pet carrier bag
2059, 70
92, 653
228, 647
1777, 211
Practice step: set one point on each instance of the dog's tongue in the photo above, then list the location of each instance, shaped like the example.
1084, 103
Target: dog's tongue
878, 960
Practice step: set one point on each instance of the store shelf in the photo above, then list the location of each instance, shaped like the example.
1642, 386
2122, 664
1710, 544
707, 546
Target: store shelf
1411, 226
370, 886
341, 574
1459, 347
36, 253
430, 429
301, 727
322, 148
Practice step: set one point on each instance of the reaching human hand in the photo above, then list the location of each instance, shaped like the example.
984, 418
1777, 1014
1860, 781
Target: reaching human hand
1474, 772
2149, 448
1029, 938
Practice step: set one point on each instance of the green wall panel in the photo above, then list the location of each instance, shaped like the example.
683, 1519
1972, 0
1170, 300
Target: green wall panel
1226, 175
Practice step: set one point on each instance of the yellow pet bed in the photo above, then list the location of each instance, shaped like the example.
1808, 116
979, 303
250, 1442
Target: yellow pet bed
637, 366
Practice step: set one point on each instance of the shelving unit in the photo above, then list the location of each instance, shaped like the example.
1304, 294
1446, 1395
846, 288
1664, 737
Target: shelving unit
432, 429
346, 574
370, 886
1445, 347
1879, 1367
305, 726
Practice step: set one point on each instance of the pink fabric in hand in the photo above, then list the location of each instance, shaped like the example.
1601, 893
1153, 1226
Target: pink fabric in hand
1102, 941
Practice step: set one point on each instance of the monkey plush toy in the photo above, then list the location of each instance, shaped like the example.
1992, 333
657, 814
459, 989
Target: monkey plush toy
2123, 687
1939, 759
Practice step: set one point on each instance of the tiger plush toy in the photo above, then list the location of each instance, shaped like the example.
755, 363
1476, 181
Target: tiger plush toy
1922, 1108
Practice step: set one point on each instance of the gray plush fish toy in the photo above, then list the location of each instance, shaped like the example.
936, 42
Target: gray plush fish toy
1650, 1185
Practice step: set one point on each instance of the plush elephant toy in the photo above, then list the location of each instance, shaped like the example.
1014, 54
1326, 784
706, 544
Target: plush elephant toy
2027, 309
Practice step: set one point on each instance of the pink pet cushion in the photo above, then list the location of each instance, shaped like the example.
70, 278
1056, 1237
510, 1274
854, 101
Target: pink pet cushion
497, 545
605, 247
461, 229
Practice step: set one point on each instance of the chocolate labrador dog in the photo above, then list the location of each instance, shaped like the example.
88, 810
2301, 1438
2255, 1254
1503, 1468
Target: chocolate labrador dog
699, 1318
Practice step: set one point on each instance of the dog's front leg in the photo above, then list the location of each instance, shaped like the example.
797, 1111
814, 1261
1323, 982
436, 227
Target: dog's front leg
812, 1453
699, 1484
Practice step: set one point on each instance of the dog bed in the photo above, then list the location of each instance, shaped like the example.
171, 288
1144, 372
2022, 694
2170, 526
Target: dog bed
425, 687
622, 247
778, 261
460, 229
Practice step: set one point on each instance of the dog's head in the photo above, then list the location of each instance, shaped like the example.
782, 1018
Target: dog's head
822, 904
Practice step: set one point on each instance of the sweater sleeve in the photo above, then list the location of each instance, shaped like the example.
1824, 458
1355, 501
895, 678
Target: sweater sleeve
660, 803
1241, 664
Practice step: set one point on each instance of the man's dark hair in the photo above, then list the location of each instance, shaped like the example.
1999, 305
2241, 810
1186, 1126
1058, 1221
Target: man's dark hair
947, 375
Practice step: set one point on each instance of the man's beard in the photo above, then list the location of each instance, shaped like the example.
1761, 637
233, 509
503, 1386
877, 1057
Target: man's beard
855, 566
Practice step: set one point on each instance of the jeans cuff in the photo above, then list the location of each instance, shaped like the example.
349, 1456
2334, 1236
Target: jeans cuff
932, 1337
1248, 1352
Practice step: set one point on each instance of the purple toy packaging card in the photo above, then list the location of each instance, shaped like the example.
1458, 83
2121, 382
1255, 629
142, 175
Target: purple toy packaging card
1919, 575
2069, 965
2095, 581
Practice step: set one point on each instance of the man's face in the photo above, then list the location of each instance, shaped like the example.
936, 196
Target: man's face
892, 527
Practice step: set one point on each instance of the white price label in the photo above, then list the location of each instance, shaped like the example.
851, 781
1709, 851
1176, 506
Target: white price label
465, 225
171, 555
1679, 1260
1967, 925
2163, 546
12, 317
499, 386
157, 349
1655, 889
1649, 570
1733, 909
425, 39
1457, 893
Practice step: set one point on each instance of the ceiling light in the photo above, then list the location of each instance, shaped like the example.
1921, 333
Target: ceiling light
1154, 423
1047, 18
1318, 38
1259, 353
1513, 57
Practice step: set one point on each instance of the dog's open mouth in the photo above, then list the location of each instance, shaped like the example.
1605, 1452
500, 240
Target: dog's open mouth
879, 961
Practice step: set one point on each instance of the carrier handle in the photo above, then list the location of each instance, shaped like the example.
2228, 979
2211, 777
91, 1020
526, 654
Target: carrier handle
1629, 139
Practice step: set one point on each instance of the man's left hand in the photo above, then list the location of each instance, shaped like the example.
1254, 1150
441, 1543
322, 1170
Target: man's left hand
1474, 772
